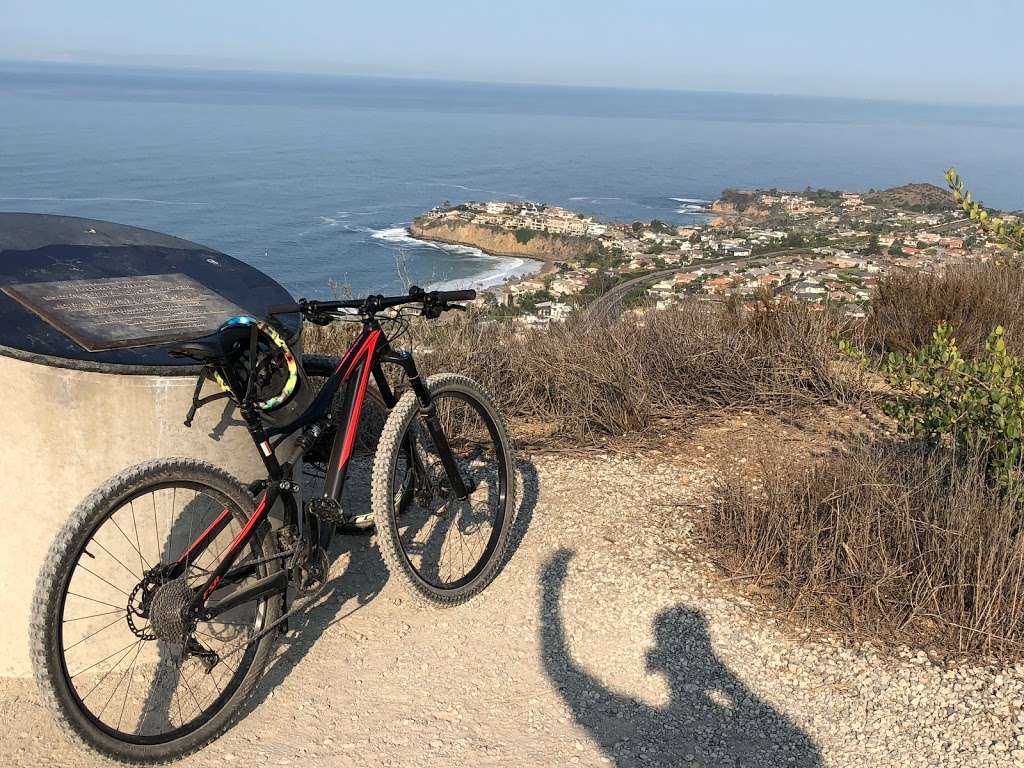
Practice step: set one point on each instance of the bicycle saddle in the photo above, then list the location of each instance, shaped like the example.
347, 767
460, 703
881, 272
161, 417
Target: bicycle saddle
217, 347
203, 351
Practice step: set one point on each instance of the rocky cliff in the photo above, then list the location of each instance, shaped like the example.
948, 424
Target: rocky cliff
728, 212
503, 242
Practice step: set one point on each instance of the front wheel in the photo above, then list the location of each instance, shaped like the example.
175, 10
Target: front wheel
444, 549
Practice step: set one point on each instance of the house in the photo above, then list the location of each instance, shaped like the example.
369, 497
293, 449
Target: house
555, 311
567, 285
685, 278
810, 287
663, 286
718, 284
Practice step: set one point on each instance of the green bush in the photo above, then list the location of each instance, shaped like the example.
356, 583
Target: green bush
1010, 233
523, 236
976, 403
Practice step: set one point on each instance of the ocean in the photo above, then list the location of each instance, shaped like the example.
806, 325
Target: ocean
313, 179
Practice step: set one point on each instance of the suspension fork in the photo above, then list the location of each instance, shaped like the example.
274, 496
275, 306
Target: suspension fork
405, 360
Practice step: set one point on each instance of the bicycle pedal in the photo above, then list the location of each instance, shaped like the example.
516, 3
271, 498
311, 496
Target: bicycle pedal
359, 521
327, 509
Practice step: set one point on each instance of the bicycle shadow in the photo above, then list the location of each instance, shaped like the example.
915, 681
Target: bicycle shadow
713, 718
362, 580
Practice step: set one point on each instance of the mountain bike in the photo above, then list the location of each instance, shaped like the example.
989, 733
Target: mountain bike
159, 602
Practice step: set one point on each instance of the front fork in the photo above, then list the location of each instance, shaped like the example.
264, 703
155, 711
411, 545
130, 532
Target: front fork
459, 487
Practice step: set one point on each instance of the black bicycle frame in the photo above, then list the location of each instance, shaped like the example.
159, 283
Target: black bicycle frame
365, 357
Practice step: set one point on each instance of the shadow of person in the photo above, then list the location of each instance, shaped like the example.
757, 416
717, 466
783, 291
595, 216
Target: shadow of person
712, 718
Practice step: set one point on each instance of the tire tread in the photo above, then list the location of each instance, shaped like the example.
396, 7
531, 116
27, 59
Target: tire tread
44, 602
390, 444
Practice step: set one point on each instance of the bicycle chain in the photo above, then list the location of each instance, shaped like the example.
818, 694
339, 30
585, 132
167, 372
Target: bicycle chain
304, 603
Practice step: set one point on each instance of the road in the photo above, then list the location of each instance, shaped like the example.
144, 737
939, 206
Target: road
634, 651
603, 305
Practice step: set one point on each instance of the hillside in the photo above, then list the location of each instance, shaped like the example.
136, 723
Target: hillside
920, 197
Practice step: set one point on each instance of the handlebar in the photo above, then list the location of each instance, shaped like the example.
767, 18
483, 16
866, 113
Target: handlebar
434, 302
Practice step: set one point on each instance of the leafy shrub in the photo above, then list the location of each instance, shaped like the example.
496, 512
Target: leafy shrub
1011, 233
523, 236
977, 403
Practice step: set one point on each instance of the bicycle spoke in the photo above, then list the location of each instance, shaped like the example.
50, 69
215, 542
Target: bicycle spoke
110, 671
124, 534
105, 581
93, 599
133, 574
105, 658
128, 689
93, 634
93, 616
121, 680
176, 692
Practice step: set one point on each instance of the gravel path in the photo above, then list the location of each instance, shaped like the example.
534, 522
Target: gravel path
606, 640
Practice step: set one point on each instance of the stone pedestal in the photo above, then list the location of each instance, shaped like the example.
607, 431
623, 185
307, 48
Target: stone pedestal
72, 418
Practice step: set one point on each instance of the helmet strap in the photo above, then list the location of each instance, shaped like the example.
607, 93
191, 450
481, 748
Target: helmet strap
197, 401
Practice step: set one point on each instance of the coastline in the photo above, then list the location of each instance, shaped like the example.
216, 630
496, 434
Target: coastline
540, 246
506, 268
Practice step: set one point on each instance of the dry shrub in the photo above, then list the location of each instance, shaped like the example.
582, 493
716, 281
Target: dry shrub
899, 540
908, 305
586, 381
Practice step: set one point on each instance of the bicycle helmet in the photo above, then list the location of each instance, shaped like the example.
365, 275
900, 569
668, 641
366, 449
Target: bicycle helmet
276, 370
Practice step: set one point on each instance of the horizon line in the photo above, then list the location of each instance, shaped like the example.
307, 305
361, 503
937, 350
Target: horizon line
257, 70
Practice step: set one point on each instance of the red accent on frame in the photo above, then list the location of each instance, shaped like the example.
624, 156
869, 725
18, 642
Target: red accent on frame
366, 350
254, 520
199, 542
350, 353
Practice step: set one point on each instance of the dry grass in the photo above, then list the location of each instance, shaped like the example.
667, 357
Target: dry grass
908, 305
584, 382
899, 541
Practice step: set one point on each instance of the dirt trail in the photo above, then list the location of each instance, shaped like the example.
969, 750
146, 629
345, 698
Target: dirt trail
605, 640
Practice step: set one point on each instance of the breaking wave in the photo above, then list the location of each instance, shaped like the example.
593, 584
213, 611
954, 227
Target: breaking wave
498, 268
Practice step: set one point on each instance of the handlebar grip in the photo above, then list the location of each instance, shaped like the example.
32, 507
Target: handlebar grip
283, 309
467, 295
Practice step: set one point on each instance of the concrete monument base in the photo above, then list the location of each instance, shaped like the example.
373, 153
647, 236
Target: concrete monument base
65, 432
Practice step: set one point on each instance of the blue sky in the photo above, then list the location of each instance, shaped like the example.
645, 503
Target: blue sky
936, 51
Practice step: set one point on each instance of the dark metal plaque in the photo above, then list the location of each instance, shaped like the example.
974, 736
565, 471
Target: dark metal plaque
118, 312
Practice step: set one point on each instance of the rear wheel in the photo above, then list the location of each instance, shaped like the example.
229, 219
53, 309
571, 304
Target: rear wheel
443, 549
119, 657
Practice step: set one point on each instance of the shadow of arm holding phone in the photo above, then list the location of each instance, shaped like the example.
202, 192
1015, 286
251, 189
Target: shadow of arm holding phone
712, 718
